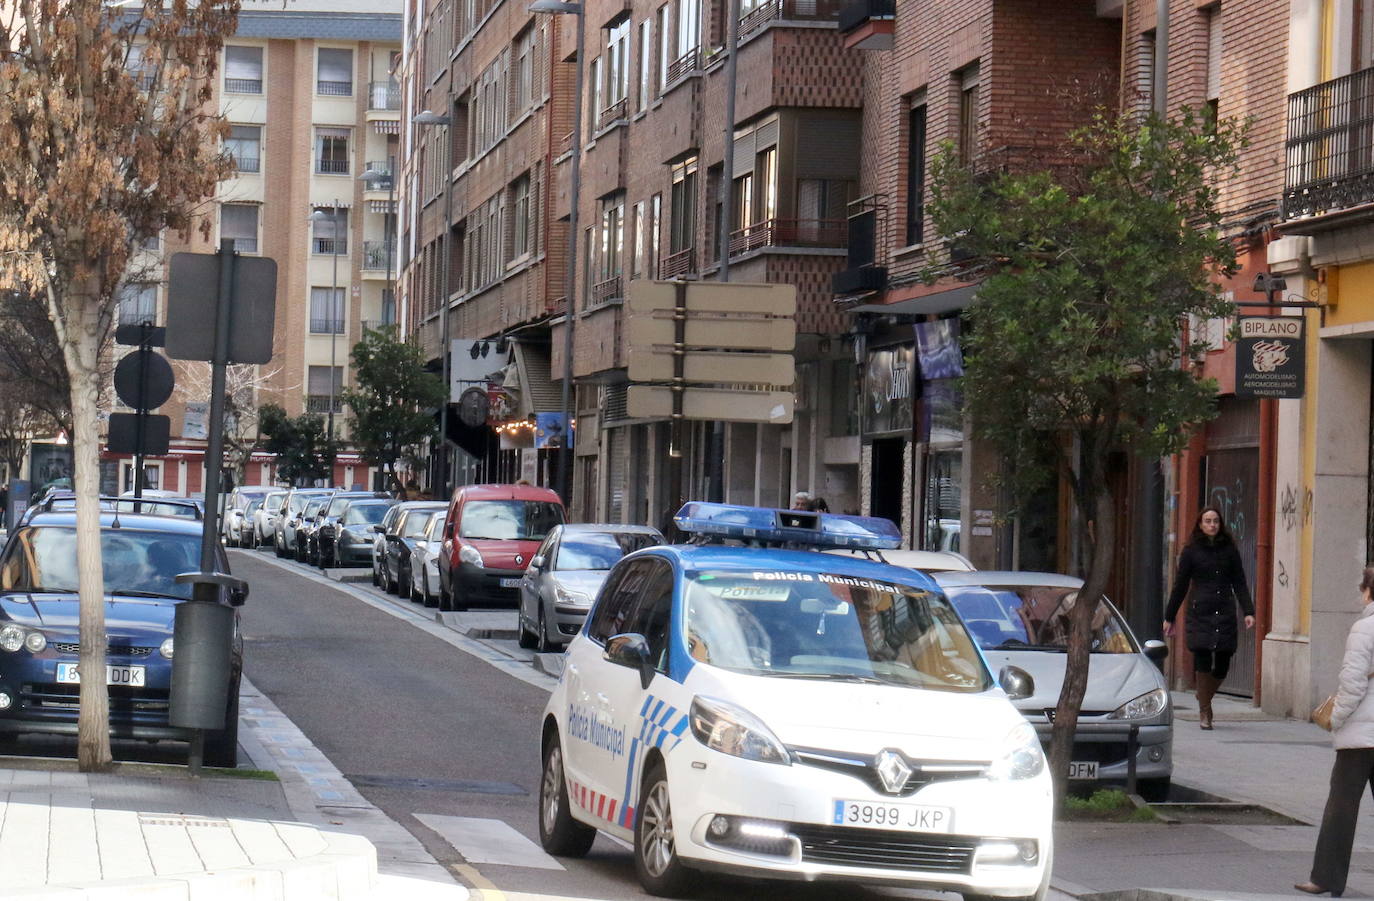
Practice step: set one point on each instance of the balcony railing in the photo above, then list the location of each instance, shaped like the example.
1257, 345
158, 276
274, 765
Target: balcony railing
332, 167
383, 180
802, 10
564, 145
326, 326
319, 403
334, 88
243, 85
684, 64
247, 164
684, 262
372, 325
1330, 148
789, 233
379, 254
383, 95
612, 113
329, 245
606, 291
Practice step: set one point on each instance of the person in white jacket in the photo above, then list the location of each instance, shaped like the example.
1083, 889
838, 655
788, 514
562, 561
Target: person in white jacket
1352, 732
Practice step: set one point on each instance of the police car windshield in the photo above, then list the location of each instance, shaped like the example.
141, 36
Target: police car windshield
810, 625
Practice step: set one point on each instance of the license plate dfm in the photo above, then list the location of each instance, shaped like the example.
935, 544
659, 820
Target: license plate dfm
1083, 769
132, 676
510, 583
913, 817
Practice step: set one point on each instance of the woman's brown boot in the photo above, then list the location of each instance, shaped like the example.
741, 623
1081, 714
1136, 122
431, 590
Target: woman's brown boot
1206, 687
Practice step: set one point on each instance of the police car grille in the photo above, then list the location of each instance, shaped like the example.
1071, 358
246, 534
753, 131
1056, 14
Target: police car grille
925, 772
885, 850
114, 650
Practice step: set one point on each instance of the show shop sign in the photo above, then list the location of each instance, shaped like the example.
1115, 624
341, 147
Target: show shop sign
1270, 357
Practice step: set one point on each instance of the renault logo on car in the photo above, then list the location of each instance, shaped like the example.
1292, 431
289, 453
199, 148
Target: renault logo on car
892, 769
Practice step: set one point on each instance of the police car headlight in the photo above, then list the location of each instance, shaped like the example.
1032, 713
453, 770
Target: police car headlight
1021, 756
1152, 703
568, 596
468, 554
731, 730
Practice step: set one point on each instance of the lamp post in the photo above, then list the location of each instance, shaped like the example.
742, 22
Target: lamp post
557, 7
429, 118
336, 315
370, 178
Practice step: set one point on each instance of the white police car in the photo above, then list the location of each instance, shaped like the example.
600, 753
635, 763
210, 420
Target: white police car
774, 711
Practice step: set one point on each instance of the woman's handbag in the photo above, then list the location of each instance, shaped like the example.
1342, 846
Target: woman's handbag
1321, 715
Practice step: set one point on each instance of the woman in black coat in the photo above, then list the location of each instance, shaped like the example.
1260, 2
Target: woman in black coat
1212, 567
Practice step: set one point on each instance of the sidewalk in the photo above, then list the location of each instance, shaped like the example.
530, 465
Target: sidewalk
150, 831
1279, 764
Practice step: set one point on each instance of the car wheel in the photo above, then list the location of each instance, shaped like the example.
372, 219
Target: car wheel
376, 579
222, 745
445, 596
559, 833
429, 600
278, 548
524, 637
660, 870
543, 644
457, 602
1154, 789
388, 583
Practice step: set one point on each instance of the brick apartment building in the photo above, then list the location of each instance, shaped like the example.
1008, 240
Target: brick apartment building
312, 106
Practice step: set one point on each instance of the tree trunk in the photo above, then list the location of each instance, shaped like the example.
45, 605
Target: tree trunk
80, 331
1099, 535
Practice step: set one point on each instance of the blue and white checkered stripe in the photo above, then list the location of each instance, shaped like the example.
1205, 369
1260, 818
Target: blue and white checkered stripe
661, 725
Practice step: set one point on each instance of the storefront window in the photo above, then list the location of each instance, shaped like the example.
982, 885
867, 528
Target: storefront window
942, 498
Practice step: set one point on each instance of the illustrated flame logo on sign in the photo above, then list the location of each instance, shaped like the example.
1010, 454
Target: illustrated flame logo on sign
1270, 355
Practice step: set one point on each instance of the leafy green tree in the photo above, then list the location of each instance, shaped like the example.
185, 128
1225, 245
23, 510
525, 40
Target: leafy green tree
301, 444
391, 400
1075, 346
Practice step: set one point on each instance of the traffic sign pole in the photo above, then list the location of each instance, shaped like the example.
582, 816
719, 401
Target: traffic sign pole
675, 433
144, 352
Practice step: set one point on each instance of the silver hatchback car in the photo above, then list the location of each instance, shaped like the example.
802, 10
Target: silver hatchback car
1021, 619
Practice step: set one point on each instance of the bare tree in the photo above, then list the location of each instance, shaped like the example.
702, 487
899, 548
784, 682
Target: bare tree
106, 139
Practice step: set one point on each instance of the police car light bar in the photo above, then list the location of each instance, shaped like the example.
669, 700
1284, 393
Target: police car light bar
820, 530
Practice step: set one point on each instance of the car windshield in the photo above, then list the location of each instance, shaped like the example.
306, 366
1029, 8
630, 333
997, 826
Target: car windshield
436, 525
809, 625
509, 520
337, 505
1033, 617
314, 506
132, 505
599, 550
414, 526
43, 558
273, 501
364, 514
254, 504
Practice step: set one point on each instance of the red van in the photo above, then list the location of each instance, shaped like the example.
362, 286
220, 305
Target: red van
491, 533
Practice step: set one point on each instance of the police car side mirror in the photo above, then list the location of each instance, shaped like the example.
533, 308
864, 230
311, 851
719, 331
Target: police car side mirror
1016, 682
630, 649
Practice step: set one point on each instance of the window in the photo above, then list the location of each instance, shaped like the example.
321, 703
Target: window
242, 70
916, 174
489, 109
637, 247
1145, 74
766, 178
1212, 95
742, 195
594, 107
1364, 36
137, 304
239, 221
331, 151
822, 198
143, 74
617, 62
688, 22
655, 228
969, 109
665, 53
335, 72
326, 315
244, 145
521, 224
612, 235
522, 73
613, 615
646, 55
653, 613
324, 391
682, 228
330, 236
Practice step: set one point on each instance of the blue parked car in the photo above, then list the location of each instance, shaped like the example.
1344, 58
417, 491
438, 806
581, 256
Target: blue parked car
40, 637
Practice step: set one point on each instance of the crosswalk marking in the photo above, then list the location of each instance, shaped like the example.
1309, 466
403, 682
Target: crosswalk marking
488, 841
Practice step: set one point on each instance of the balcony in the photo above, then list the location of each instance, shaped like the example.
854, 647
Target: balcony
319, 326
789, 10
329, 246
320, 403
684, 262
383, 95
247, 165
376, 325
383, 181
243, 85
869, 24
334, 88
1330, 147
684, 65
865, 228
331, 167
379, 255
607, 291
789, 233
611, 114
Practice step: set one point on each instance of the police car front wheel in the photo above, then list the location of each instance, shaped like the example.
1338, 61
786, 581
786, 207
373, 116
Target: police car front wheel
559, 833
660, 870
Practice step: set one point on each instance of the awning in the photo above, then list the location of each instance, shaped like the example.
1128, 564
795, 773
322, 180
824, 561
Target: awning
538, 394
382, 206
386, 127
928, 304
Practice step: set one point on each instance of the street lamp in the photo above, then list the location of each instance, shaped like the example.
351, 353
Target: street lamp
336, 312
370, 178
430, 118
558, 7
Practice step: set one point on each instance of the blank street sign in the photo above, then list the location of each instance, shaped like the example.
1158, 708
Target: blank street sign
655, 402
735, 297
738, 334
192, 288
720, 367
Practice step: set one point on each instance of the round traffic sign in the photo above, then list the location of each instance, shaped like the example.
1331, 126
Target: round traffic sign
140, 389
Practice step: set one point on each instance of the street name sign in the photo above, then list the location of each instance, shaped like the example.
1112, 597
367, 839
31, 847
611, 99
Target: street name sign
1271, 359
649, 365
726, 405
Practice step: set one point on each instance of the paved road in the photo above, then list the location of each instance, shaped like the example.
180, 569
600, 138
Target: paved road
440, 739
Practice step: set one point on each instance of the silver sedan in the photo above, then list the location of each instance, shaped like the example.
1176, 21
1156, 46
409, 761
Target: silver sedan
565, 575
424, 561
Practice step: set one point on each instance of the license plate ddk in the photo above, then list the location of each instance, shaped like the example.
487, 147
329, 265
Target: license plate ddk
1083, 769
915, 817
132, 676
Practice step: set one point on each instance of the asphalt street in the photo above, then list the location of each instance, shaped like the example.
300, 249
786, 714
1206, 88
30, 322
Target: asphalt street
440, 739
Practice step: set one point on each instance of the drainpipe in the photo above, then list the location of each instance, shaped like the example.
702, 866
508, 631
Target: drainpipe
1161, 85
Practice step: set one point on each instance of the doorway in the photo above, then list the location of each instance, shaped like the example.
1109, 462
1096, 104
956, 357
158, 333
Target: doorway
887, 479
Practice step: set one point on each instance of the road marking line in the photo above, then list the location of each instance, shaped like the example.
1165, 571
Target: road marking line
486, 889
484, 840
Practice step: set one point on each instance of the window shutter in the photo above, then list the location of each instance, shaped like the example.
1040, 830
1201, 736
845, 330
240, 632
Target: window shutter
1214, 53
243, 62
336, 65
